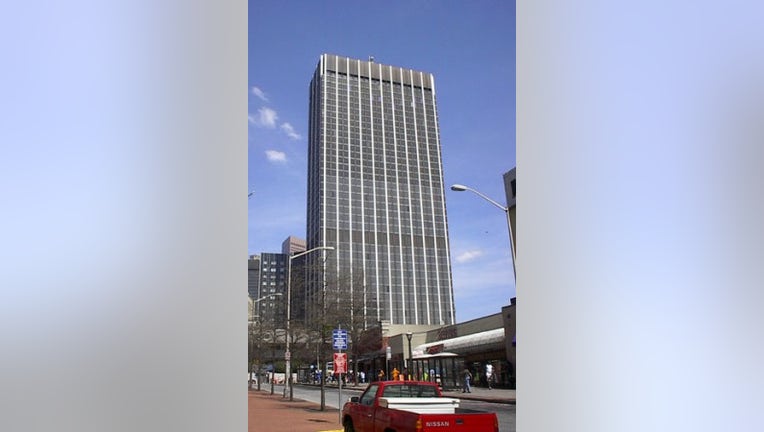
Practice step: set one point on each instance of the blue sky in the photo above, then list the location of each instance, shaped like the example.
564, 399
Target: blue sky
470, 49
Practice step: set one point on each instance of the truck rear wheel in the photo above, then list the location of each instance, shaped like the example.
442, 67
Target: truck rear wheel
349, 426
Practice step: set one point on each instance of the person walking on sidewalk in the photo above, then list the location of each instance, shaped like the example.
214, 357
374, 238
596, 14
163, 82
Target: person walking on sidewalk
489, 375
466, 377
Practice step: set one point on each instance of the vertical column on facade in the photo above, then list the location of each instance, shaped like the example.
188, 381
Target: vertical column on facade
413, 284
442, 201
431, 196
426, 281
317, 189
374, 192
311, 178
324, 186
336, 172
397, 198
349, 147
387, 197
362, 186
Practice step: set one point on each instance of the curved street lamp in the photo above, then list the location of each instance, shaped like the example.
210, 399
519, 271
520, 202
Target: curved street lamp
263, 298
266, 296
462, 188
287, 353
410, 365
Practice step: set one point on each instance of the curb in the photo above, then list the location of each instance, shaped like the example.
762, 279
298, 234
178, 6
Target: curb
445, 393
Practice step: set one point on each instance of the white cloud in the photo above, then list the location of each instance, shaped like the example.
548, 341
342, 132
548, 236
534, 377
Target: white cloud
265, 117
259, 93
275, 156
469, 256
289, 130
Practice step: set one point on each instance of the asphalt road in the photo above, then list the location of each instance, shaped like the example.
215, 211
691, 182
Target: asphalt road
505, 412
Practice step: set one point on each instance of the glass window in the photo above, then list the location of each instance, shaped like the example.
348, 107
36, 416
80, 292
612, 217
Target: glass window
368, 396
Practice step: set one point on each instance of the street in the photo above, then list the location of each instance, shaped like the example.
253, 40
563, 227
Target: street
505, 412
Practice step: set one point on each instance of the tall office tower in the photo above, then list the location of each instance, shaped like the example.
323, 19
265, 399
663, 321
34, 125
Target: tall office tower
253, 276
375, 193
271, 310
291, 246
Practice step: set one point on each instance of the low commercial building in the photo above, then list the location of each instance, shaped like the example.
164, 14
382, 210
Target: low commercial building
441, 354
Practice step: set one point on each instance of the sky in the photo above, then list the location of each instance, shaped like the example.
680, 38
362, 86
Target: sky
469, 47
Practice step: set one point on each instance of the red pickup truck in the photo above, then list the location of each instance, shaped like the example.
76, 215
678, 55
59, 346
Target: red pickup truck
411, 406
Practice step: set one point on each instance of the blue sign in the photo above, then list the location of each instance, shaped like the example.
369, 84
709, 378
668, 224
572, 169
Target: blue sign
340, 339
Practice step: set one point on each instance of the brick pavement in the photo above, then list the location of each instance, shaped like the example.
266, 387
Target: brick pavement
272, 413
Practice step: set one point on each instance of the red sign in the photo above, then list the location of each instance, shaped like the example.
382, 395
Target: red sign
340, 363
435, 349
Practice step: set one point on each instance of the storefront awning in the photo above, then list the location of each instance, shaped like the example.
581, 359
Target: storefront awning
476, 342
430, 356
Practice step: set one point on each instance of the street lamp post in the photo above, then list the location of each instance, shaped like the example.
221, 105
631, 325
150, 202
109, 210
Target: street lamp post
409, 366
288, 353
461, 188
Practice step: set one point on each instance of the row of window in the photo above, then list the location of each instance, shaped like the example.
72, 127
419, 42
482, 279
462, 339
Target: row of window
358, 113
369, 135
354, 86
343, 88
357, 128
344, 209
403, 227
376, 105
333, 146
389, 198
384, 198
377, 112
381, 170
340, 125
403, 203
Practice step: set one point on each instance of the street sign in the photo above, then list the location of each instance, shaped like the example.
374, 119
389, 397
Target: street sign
340, 362
388, 353
340, 339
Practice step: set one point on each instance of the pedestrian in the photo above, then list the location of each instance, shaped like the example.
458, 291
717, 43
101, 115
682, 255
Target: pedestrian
489, 375
362, 376
467, 377
395, 374
381, 375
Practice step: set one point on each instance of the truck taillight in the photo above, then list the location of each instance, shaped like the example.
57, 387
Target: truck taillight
419, 425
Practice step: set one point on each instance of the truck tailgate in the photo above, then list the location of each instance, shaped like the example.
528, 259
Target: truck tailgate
465, 422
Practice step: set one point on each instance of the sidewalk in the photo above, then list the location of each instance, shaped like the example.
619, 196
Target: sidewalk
495, 395
505, 396
272, 413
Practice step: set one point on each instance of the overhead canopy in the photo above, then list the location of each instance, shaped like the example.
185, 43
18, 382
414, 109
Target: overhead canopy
476, 342
438, 355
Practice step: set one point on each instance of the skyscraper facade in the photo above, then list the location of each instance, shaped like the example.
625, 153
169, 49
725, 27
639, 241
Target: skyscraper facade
253, 276
510, 188
272, 277
292, 245
375, 193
